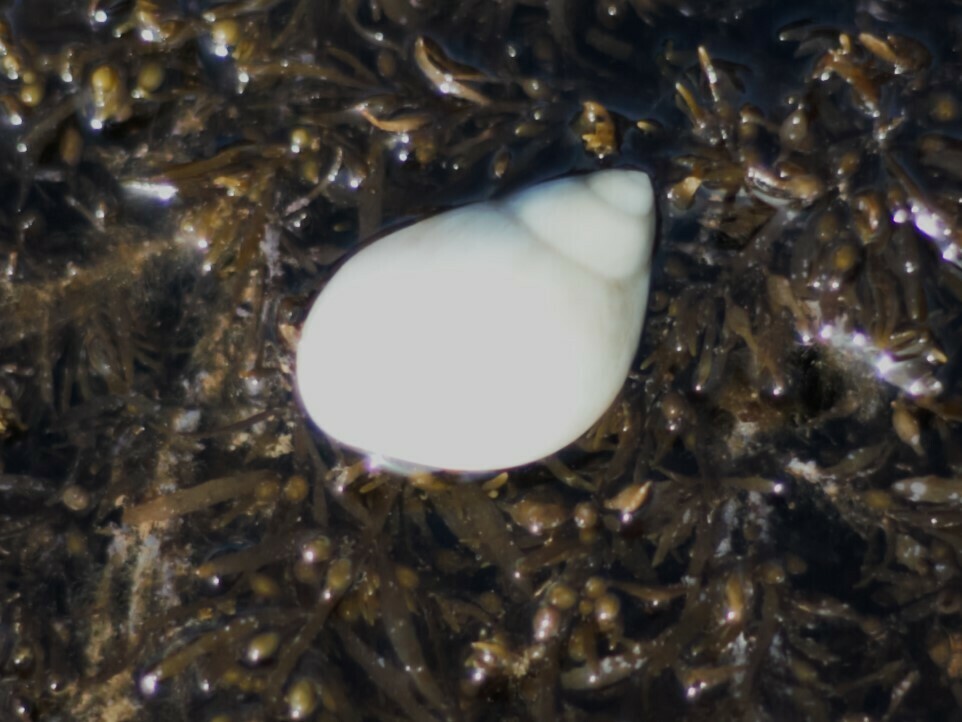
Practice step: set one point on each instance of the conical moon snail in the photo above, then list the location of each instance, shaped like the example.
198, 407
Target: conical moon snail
485, 337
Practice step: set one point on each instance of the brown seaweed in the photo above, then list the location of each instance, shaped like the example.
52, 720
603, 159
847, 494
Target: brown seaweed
766, 524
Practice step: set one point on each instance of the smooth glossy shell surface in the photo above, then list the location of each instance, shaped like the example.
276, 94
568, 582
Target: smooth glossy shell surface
485, 337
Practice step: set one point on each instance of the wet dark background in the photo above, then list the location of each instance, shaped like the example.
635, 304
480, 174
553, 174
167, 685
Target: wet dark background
765, 526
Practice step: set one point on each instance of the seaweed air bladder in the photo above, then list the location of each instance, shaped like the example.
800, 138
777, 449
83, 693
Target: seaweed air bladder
489, 336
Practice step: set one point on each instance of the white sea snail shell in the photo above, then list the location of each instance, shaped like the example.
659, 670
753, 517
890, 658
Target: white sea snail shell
485, 337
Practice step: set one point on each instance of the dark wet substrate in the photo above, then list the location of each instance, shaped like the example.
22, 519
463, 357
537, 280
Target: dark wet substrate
766, 525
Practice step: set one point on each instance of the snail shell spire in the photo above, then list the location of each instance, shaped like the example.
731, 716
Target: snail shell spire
603, 221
